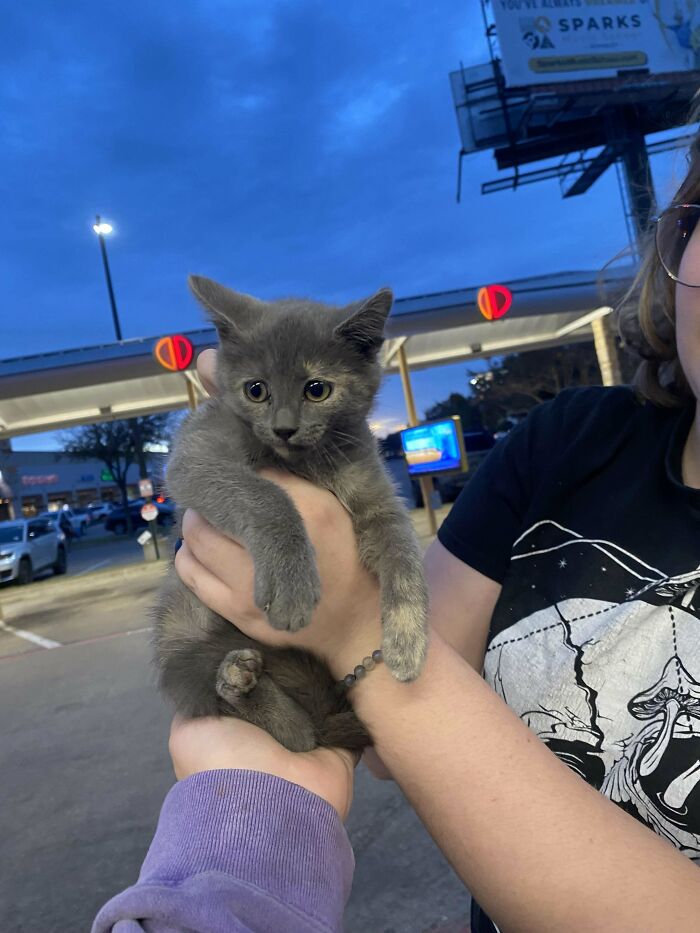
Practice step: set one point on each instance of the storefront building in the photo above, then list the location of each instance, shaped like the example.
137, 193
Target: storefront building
41, 480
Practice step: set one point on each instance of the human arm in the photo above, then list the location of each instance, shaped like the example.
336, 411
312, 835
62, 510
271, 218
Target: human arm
461, 605
462, 601
249, 838
538, 848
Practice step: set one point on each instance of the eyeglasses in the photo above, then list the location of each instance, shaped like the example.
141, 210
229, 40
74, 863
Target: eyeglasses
678, 243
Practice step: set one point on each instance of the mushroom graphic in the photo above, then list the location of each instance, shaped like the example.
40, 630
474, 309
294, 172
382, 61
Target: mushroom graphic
674, 694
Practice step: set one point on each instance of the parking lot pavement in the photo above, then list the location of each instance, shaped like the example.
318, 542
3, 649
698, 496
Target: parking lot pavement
99, 548
84, 769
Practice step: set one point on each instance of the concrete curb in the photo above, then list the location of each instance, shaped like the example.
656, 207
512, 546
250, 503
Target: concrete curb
58, 587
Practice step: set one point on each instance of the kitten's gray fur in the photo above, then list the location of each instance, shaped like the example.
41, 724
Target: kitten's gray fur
206, 665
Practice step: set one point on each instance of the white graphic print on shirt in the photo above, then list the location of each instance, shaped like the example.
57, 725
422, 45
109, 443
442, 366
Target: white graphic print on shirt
613, 687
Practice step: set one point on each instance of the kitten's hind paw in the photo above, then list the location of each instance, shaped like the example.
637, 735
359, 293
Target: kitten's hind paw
238, 674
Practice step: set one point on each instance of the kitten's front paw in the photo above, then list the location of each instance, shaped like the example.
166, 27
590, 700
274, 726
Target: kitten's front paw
289, 596
405, 638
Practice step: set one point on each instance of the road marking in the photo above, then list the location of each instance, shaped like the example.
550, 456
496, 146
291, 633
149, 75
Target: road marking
30, 636
47, 643
102, 563
87, 641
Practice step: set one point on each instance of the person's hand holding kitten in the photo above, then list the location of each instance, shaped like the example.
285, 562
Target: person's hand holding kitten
198, 745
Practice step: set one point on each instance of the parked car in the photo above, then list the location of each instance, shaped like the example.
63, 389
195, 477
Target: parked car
99, 510
82, 512
78, 523
28, 546
117, 522
477, 445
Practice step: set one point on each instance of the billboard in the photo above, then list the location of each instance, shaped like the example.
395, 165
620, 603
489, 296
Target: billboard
434, 447
545, 41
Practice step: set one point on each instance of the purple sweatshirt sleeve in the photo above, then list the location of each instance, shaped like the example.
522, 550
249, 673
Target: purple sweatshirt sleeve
238, 851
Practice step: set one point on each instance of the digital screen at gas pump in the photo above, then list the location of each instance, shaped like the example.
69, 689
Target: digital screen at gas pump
432, 447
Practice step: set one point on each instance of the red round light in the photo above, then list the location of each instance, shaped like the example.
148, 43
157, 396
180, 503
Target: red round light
174, 352
494, 301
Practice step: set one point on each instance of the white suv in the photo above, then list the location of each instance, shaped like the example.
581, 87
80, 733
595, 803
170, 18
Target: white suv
28, 546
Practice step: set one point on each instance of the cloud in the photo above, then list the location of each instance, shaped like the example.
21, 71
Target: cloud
361, 112
380, 427
282, 146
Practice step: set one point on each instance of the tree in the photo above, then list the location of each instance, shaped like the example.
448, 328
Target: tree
457, 404
117, 444
518, 382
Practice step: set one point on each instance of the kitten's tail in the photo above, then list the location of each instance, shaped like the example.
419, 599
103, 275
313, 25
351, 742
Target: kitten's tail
343, 730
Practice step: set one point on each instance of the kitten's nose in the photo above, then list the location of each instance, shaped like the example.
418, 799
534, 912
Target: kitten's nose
285, 433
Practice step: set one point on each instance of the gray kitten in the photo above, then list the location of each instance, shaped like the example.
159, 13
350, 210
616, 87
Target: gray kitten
296, 380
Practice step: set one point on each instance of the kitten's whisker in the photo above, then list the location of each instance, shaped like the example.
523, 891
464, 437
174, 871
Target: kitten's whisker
343, 434
338, 450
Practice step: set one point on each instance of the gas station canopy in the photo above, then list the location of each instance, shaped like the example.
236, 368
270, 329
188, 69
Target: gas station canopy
51, 391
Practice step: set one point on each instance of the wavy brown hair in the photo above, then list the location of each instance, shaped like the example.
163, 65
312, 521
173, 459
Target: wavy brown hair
647, 313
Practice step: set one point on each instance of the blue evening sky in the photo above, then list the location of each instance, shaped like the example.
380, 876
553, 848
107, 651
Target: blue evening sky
285, 147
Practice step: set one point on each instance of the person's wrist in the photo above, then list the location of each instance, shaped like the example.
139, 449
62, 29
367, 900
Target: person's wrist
363, 636
224, 744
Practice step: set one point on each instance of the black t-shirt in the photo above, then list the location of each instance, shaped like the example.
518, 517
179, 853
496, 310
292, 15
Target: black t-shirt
581, 514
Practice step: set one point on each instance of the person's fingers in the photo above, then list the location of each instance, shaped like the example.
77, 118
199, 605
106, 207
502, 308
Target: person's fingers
206, 370
224, 557
215, 594
208, 588
205, 585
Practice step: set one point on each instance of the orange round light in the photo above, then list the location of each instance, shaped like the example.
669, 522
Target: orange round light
494, 301
174, 352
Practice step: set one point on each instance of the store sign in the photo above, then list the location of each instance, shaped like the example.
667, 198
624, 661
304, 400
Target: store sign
149, 512
106, 477
174, 353
46, 479
494, 301
145, 487
545, 41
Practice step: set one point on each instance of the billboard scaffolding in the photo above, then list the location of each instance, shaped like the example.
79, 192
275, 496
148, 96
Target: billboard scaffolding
587, 124
584, 89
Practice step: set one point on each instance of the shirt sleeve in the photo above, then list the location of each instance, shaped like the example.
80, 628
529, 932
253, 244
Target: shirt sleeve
488, 516
238, 851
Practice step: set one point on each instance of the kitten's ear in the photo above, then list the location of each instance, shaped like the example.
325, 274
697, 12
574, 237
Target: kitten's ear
232, 313
364, 329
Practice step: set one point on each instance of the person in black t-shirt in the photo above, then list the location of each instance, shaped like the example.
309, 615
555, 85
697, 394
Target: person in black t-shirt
568, 573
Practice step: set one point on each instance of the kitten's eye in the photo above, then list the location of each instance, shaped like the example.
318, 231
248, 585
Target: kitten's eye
257, 391
317, 390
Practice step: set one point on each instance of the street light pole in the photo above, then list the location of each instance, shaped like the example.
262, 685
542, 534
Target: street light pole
100, 229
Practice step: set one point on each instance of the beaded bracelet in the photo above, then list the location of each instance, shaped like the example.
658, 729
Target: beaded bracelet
368, 664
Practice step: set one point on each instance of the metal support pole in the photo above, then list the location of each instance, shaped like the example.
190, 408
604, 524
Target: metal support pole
138, 447
606, 351
426, 485
637, 171
154, 532
191, 394
626, 137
